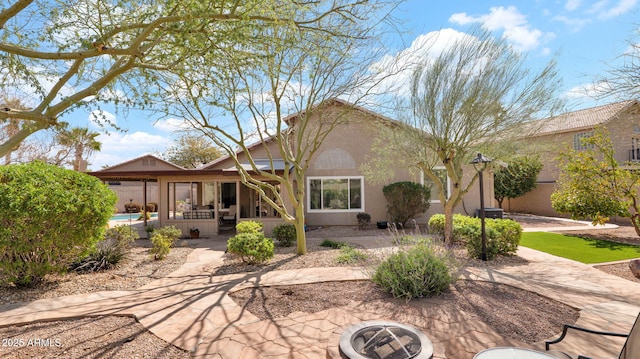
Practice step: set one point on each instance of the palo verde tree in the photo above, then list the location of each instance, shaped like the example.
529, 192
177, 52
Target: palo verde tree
593, 185
517, 178
278, 96
61, 55
464, 100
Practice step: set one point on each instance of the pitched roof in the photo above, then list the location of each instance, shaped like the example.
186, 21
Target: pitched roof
164, 165
583, 119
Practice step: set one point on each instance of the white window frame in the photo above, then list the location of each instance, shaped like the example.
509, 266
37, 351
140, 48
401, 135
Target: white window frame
328, 210
422, 179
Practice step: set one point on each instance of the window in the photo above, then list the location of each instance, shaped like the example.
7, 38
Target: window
441, 173
578, 144
339, 194
191, 200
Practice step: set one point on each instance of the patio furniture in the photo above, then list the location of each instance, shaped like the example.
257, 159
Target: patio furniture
511, 353
630, 350
230, 217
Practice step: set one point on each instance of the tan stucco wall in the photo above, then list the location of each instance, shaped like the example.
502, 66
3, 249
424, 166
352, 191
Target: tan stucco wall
621, 129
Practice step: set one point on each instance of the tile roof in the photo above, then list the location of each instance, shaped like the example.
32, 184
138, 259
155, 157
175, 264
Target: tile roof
582, 119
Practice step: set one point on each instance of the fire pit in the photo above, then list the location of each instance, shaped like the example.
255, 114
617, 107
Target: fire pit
384, 340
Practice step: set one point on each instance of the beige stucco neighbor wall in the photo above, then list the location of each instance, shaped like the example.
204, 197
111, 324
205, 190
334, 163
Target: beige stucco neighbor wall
621, 129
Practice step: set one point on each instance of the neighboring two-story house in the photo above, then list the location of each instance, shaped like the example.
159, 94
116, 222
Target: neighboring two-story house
214, 198
621, 119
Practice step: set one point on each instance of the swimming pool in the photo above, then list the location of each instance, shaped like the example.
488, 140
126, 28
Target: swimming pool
125, 216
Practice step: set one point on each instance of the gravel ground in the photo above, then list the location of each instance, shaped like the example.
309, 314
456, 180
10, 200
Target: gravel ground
105, 337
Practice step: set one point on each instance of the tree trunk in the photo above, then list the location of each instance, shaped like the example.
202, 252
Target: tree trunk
448, 224
301, 236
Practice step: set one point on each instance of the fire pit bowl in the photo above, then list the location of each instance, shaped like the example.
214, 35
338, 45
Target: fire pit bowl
384, 340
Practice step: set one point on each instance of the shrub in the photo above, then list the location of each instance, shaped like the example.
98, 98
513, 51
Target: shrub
364, 219
252, 248
49, 218
332, 244
248, 227
502, 237
419, 271
436, 224
151, 207
285, 234
405, 200
162, 239
132, 207
350, 255
109, 251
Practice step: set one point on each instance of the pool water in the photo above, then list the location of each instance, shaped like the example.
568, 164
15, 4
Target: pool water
125, 216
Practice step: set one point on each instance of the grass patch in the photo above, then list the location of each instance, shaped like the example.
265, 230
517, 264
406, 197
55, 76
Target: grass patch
585, 250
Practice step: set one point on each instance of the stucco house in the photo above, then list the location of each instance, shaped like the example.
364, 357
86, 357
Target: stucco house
621, 119
213, 197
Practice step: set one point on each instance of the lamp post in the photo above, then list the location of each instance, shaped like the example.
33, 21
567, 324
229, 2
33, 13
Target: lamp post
480, 164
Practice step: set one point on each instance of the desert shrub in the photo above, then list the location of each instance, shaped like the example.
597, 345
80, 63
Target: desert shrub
252, 248
132, 207
109, 251
50, 217
285, 234
419, 271
364, 219
151, 207
162, 239
350, 255
248, 227
405, 200
332, 244
502, 237
436, 224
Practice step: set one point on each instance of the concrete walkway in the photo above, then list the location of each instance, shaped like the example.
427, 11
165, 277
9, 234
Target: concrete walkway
190, 308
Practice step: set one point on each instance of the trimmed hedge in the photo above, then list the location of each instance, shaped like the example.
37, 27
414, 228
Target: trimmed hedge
50, 217
252, 248
502, 235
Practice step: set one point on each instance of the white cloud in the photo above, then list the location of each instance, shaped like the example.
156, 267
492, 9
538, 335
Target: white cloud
118, 147
102, 119
572, 5
574, 23
172, 125
604, 10
395, 70
588, 91
514, 25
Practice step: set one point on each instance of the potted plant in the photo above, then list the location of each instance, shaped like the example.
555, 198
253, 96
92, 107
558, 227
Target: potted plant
194, 232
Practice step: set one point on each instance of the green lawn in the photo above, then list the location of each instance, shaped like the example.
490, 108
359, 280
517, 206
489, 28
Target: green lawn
583, 250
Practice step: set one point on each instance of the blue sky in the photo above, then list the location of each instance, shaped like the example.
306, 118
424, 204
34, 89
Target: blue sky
585, 36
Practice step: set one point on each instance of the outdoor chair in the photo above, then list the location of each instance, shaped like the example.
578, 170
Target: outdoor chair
630, 350
230, 217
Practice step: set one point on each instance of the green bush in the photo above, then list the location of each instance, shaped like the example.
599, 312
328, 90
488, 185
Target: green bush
502, 237
162, 239
50, 217
285, 234
248, 227
405, 200
436, 224
108, 252
350, 255
419, 271
332, 244
252, 248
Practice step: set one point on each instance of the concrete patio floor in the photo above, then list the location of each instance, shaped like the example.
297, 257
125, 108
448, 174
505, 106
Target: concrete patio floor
190, 308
